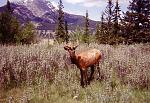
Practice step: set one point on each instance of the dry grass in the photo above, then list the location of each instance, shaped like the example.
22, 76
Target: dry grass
41, 73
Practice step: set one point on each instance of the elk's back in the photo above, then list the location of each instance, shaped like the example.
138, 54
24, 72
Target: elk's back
89, 58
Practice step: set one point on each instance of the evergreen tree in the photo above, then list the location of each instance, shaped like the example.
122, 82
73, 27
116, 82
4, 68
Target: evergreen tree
9, 8
108, 13
107, 17
97, 33
66, 32
116, 17
60, 32
86, 33
146, 12
102, 23
137, 21
8, 25
103, 36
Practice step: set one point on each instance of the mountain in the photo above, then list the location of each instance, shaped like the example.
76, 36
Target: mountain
44, 15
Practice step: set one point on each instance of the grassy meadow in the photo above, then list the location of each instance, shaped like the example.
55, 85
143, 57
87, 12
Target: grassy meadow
43, 74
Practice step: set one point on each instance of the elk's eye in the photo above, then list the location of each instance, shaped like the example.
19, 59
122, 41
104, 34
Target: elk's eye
70, 48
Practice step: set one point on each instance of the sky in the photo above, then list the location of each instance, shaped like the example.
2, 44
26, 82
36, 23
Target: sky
79, 7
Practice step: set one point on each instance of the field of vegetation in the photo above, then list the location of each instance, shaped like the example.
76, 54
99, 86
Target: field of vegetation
44, 74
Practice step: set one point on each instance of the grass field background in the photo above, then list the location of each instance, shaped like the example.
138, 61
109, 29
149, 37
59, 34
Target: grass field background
43, 74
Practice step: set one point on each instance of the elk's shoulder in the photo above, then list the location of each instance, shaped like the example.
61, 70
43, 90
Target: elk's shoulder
87, 53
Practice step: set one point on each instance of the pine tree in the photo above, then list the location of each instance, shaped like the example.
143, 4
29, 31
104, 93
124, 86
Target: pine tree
97, 33
8, 7
137, 21
86, 32
116, 17
108, 22
60, 32
102, 23
146, 12
108, 13
66, 32
103, 36
7, 29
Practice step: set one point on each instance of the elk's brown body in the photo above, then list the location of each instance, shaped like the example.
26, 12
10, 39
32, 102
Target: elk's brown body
88, 58
84, 60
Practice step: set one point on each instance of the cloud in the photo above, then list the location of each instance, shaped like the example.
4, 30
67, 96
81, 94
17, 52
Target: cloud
14, 0
75, 1
87, 3
93, 3
124, 1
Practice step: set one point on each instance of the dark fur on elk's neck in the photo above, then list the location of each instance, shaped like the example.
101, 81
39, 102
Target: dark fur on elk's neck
73, 58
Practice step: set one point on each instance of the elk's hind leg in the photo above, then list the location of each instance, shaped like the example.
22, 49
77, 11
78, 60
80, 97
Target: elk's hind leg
98, 68
91, 75
81, 79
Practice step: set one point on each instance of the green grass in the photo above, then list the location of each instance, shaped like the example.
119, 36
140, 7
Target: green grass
43, 74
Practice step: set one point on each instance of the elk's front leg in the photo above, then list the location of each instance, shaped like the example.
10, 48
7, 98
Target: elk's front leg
81, 79
85, 76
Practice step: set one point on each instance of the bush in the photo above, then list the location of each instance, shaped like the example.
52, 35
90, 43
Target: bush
11, 32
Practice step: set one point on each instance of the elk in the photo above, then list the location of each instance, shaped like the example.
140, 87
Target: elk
84, 60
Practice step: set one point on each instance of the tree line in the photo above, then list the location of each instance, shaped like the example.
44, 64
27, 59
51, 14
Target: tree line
115, 26
133, 26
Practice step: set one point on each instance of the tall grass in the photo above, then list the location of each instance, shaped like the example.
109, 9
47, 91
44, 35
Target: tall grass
41, 73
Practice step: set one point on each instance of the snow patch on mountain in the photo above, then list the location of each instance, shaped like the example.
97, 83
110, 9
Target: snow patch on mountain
55, 4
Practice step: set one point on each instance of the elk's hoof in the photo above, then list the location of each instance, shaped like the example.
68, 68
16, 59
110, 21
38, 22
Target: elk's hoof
98, 78
82, 85
88, 83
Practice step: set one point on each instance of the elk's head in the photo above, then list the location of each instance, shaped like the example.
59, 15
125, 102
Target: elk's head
70, 49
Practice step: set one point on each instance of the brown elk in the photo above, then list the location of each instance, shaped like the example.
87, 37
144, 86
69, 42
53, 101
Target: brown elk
84, 60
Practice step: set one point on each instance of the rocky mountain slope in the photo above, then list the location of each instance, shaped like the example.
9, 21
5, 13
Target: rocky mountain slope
44, 15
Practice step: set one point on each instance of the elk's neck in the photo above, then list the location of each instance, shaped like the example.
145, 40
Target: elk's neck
73, 58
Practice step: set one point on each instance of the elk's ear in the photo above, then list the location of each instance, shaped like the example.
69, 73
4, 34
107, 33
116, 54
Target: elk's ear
75, 47
66, 47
